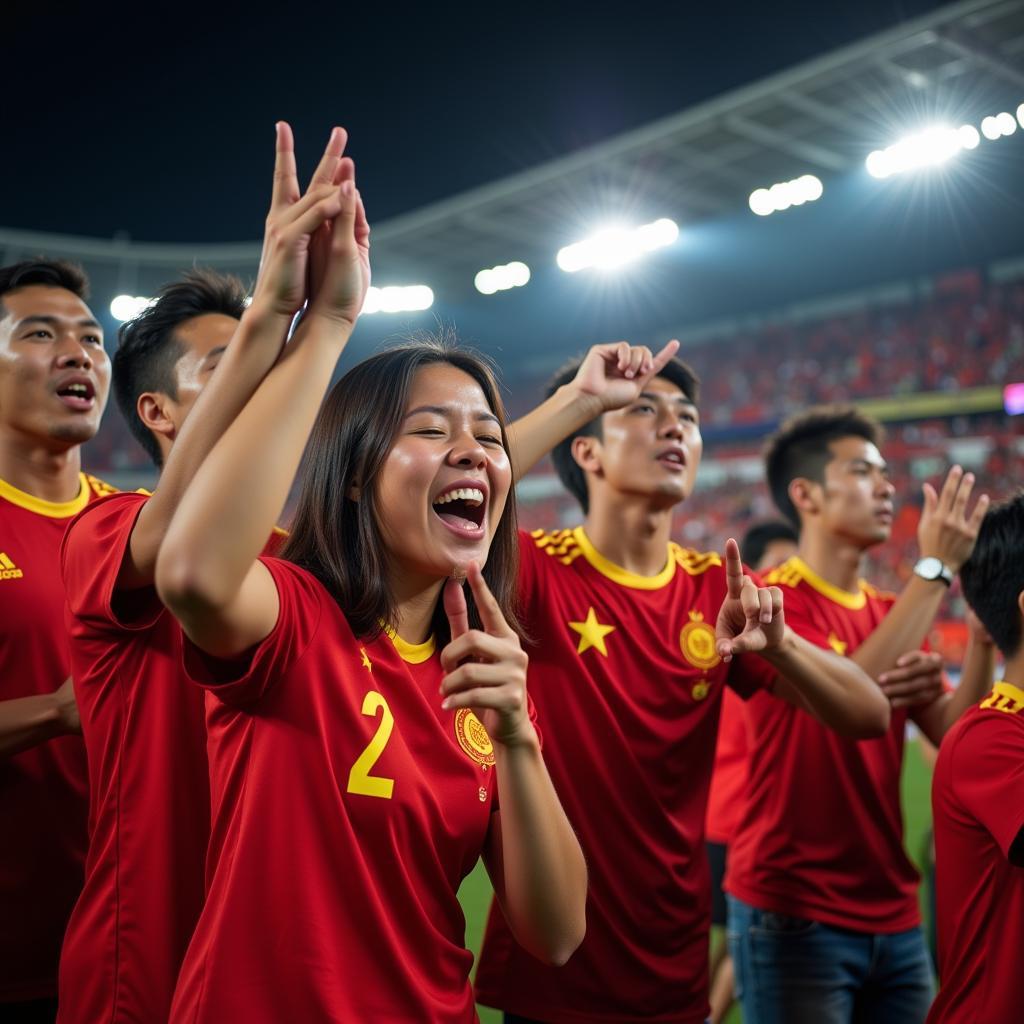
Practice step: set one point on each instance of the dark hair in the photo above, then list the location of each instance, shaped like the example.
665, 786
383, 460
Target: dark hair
800, 448
148, 349
569, 471
338, 539
51, 273
756, 540
993, 577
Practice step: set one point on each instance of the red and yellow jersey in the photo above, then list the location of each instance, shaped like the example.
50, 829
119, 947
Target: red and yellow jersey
627, 685
43, 791
821, 836
347, 808
978, 807
729, 776
149, 813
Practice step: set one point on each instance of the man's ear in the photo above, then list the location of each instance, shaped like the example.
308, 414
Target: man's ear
152, 410
587, 453
1020, 602
805, 494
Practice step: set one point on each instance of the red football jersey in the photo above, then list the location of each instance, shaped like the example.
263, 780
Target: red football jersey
149, 813
627, 685
821, 835
978, 804
43, 791
348, 807
729, 776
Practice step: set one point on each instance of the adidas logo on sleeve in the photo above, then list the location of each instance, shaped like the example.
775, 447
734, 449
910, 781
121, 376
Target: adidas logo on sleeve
8, 570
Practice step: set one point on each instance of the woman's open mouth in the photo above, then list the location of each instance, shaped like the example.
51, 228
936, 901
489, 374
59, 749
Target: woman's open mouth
462, 509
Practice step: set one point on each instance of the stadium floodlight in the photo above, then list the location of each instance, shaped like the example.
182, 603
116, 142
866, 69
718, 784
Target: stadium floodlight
1006, 122
991, 128
969, 136
928, 148
501, 278
784, 194
614, 246
128, 307
1020, 115
398, 299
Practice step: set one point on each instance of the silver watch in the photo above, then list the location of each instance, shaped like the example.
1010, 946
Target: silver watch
933, 569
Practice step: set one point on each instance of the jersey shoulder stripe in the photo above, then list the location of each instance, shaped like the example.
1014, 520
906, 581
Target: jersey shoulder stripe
561, 545
785, 575
100, 487
695, 563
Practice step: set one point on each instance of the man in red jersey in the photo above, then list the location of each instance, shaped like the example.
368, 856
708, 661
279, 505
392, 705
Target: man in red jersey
977, 797
823, 912
635, 640
763, 547
54, 377
149, 823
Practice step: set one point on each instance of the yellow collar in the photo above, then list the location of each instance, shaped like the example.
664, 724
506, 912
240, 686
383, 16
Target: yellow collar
51, 509
623, 576
414, 654
841, 597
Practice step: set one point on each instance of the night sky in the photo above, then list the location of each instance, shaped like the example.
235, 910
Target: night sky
163, 129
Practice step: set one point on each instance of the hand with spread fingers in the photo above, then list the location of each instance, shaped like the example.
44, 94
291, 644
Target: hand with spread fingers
615, 374
915, 680
946, 531
485, 669
751, 617
294, 220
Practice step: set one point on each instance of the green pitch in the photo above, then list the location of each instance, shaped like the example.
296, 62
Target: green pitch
475, 893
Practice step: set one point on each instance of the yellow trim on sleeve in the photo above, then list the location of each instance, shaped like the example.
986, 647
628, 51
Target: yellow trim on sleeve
841, 597
623, 576
1005, 697
51, 509
413, 654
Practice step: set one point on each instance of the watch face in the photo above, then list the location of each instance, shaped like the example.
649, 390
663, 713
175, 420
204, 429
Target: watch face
929, 568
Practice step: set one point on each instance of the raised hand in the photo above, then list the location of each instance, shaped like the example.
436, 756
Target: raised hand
340, 258
615, 374
485, 669
916, 679
751, 617
293, 221
946, 531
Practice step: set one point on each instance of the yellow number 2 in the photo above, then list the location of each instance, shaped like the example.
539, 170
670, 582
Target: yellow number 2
359, 778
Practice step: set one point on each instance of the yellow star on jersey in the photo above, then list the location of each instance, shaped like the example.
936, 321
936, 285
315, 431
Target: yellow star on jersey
367, 664
837, 645
592, 634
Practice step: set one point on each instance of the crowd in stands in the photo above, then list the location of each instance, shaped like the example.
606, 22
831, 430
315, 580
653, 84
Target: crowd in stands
966, 334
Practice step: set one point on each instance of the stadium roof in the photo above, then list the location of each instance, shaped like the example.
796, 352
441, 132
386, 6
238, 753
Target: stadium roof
822, 117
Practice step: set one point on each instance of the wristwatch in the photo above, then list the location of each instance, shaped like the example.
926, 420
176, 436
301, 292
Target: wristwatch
932, 569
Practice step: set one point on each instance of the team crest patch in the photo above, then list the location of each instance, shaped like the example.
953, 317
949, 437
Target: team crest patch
472, 737
697, 640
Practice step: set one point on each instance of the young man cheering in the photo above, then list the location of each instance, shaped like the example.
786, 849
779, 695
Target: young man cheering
634, 640
54, 376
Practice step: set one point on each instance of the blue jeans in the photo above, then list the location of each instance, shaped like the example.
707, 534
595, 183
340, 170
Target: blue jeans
790, 970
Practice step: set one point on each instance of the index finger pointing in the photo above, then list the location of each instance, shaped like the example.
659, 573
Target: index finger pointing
733, 568
455, 607
662, 358
286, 181
486, 604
